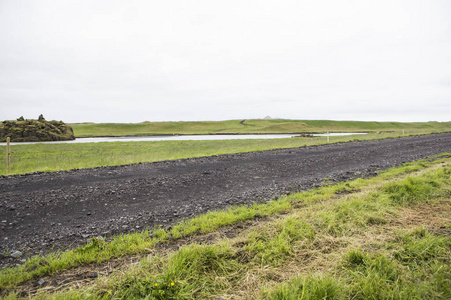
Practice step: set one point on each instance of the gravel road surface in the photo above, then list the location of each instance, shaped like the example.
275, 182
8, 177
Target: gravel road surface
59, 210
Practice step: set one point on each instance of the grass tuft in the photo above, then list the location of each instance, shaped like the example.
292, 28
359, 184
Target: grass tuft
354, 258
314, 287
412, 190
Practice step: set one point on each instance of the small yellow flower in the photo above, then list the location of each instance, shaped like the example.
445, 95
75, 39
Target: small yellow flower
172, 284
156, 284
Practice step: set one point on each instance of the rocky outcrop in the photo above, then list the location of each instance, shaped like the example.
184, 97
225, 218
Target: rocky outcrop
23, 130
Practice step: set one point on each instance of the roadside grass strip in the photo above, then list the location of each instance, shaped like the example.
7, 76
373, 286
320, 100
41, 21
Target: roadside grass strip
340, 241
57, 157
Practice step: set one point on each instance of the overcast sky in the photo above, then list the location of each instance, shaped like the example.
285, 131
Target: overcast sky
131, 61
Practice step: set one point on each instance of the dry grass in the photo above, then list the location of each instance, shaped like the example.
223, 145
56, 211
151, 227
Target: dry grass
327, 251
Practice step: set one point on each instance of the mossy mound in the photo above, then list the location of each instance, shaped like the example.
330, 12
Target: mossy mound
35, 130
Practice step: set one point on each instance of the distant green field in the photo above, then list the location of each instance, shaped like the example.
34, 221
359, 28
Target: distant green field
248, 126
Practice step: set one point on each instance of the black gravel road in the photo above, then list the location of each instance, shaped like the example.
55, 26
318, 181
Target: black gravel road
59, 210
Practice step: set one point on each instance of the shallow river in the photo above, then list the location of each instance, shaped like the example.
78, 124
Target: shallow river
184, 138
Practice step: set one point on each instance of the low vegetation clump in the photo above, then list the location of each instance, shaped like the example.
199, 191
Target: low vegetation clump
387, 237
23, 130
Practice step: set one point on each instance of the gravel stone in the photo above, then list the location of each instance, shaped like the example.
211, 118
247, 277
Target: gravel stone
16, 254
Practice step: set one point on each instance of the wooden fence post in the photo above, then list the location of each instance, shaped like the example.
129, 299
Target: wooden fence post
8, 155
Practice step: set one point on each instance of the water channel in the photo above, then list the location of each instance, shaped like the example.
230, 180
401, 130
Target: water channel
183, 138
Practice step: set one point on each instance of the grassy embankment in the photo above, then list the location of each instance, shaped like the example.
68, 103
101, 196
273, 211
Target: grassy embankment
249, 126
386, 237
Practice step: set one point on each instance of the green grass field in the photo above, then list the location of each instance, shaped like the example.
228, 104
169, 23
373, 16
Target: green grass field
56, 157
248, 126
386, 237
